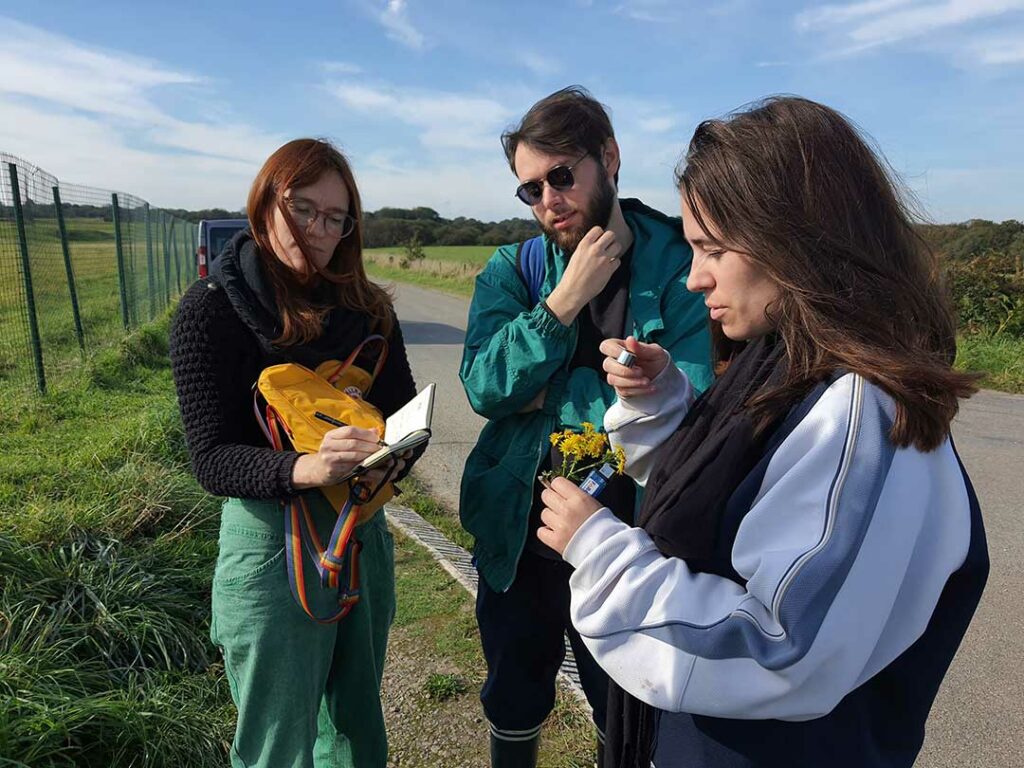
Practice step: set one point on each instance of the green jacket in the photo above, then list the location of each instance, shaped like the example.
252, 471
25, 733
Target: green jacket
513, 350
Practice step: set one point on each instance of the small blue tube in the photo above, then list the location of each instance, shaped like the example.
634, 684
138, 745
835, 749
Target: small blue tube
597, 480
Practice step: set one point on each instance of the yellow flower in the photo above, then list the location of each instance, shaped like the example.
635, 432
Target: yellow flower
573, 446
557, 437
620, 461
588, 428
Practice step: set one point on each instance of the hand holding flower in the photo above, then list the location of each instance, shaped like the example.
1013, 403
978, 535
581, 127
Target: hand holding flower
566, 509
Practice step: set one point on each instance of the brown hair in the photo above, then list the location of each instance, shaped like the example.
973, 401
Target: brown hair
300, 163
569, 121
793, 185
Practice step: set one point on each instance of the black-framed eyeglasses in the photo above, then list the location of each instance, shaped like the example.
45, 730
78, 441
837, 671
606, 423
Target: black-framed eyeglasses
560, 177
305, 214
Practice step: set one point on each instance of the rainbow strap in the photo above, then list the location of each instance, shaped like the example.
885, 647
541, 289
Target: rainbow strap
339, 558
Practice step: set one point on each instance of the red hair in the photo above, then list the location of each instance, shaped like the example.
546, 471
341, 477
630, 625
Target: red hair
300, 163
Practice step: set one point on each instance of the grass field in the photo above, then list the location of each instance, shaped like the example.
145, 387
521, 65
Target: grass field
473, 255
153, 277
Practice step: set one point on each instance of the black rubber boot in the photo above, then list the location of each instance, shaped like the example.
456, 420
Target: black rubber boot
514, 754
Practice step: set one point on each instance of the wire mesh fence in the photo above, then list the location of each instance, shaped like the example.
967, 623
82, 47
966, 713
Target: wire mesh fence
79, 266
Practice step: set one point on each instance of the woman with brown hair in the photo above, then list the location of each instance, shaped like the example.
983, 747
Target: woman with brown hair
292, 288
809, 551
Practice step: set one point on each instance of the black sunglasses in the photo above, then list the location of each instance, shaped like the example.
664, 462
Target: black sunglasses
560, 177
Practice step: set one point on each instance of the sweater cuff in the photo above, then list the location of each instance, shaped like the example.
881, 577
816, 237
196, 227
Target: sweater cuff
284, 474
597, 528
671, 386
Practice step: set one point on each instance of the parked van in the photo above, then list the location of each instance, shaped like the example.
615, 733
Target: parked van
213, 236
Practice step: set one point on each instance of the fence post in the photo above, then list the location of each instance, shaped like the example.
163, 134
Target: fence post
67, 268
167, 260
174, 245
149, 266
120, 261
190, 252
26, 274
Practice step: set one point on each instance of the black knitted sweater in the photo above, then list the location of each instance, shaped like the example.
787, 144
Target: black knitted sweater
217, 352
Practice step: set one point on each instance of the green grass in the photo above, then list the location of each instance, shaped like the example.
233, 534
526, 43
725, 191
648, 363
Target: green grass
91, 246
452, 268
999, 358
474, 255
444, 687
457, 285
416, 496
106, 554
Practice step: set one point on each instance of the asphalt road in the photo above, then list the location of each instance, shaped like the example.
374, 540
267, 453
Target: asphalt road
978, 718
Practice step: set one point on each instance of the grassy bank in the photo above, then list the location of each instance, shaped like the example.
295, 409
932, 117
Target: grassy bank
106, 552
446, 268
999, 358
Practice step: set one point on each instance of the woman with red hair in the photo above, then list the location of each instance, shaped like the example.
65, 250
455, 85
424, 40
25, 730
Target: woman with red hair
291, 288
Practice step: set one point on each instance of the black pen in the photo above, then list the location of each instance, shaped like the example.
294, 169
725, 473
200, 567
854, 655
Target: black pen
329, 419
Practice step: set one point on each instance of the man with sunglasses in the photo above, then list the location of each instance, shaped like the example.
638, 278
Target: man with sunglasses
603, 268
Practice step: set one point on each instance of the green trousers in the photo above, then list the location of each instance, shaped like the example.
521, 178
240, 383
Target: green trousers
308, 695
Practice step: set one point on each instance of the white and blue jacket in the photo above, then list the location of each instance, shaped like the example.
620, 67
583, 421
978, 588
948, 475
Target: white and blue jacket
862, 564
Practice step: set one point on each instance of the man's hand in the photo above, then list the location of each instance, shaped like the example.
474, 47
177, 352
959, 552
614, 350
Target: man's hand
650, 360
590, 268
566, 509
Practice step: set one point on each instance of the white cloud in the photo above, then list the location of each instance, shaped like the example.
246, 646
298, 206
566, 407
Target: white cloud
659, 124
44, 66
539, 64
340, 68
650, 11
872, 23
83, 150
995, 51
91, 116
395, 19
446, 120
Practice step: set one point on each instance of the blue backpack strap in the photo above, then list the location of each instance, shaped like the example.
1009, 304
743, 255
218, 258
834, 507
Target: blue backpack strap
530, 266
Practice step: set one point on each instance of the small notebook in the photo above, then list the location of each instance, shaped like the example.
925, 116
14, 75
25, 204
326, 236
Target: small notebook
406, 428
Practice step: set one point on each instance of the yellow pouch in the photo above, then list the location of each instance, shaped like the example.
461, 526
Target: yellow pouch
293, 394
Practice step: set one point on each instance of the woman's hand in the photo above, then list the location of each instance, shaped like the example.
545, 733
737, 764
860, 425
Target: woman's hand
566, 509
341, 451
650, 361
374, 476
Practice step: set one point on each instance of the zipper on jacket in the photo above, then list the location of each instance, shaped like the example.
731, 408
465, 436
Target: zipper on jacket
533, 476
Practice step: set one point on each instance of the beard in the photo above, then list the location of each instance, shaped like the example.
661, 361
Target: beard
597, 213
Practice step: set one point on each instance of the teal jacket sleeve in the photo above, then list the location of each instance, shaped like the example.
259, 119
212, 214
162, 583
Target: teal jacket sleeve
512, 350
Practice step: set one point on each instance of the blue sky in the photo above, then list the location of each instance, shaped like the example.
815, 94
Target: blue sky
180, 102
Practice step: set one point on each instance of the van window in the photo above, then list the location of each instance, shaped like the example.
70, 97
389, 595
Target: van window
219, 236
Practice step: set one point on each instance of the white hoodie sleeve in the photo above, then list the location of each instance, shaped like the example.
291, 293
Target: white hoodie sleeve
845, 550
639, 425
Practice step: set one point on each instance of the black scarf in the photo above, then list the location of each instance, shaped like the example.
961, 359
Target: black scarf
239, 271
696, 471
